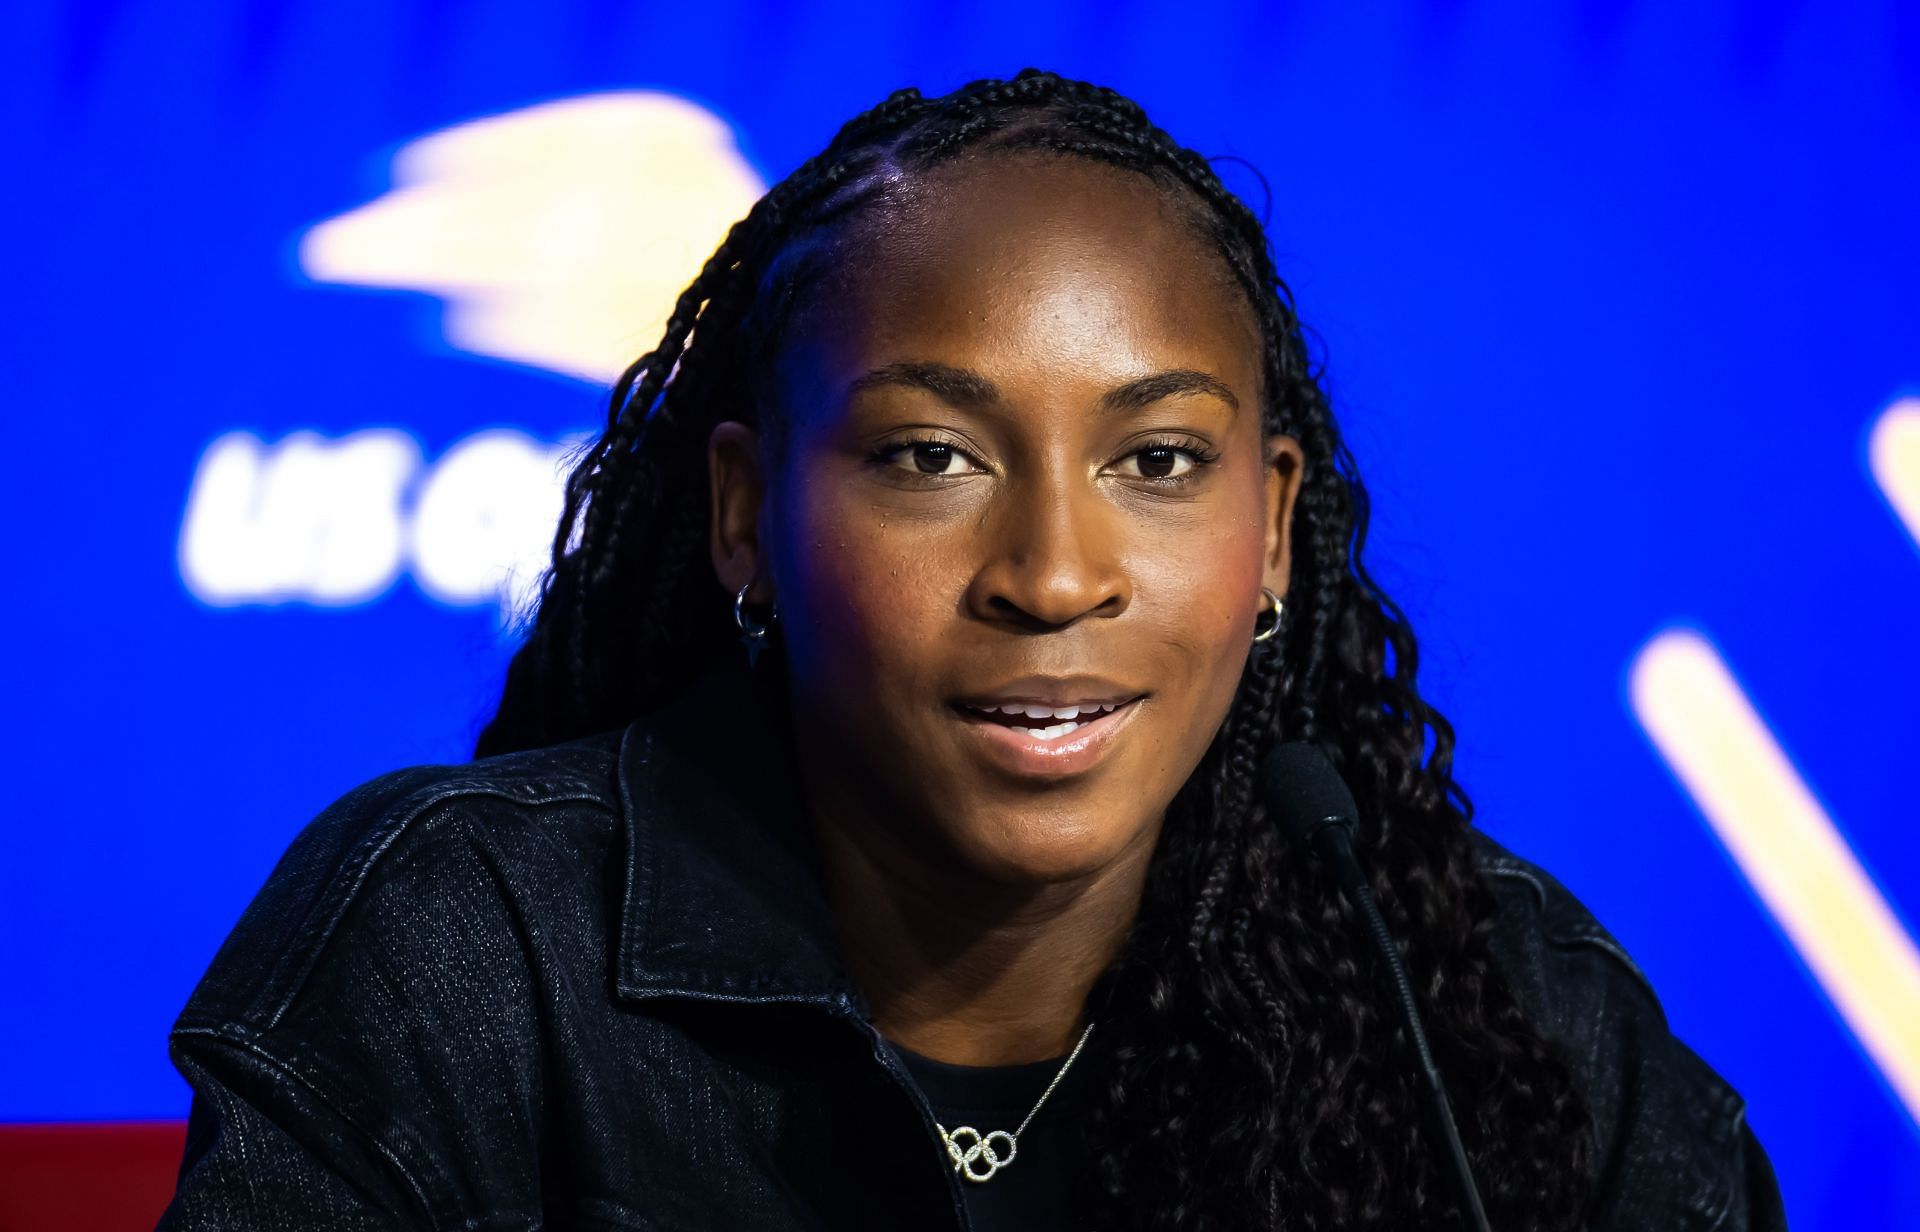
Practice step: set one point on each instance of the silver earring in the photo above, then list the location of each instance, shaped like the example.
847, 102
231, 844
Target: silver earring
753, 636
1267, 633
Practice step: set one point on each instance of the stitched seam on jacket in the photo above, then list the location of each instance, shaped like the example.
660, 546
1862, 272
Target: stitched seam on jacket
252, 1049
1719, 1216
358, 864
1506, 868
1577, 936
634, 935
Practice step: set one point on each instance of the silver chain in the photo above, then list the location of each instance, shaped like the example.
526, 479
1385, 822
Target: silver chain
979, 1150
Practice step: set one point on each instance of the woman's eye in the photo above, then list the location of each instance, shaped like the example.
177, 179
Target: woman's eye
929, 458
941, 459
1163, 462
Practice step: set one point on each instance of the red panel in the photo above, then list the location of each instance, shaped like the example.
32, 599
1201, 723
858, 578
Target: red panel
110, 1176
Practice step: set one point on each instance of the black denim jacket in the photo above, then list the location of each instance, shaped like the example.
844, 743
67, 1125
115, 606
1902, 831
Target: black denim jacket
597, 986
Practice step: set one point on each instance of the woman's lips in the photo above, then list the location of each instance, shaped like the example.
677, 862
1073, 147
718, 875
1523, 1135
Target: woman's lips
1020, 751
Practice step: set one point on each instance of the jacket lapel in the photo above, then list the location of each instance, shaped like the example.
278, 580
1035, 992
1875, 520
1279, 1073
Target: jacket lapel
724, 896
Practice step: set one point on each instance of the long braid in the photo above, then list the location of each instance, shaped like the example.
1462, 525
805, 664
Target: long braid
1245, 1079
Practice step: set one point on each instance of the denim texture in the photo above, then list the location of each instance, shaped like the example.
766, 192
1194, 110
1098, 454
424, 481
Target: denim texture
598, 986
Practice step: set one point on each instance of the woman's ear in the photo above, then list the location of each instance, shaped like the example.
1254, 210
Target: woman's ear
1285, 465
737, 488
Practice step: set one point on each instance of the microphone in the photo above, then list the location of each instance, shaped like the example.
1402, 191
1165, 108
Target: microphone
1305, 793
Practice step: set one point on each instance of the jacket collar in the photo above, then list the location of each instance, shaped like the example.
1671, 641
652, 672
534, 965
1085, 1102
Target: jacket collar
724, 898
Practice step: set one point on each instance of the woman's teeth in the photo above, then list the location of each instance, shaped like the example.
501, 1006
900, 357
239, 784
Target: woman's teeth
1065, 718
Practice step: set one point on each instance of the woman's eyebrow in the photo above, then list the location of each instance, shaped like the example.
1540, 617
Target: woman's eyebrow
1150, 389
962, 387
957, 386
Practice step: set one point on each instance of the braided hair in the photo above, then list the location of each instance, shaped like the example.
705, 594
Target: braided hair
1250, 1074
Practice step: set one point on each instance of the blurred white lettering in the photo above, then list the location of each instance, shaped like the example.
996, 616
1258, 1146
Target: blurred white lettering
326, 521
484, 520
310, 518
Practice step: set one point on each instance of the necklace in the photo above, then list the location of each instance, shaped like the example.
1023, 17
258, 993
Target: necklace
977, 1156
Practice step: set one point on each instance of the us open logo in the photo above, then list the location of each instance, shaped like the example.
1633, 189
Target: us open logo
558, 237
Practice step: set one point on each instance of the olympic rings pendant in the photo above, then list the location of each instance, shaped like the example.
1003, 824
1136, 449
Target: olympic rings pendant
975, 1158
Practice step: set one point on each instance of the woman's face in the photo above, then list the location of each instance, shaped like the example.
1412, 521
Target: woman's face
1025, 468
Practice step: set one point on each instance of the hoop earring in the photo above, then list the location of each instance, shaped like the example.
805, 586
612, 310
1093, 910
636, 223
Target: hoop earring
1270, 630
753, 636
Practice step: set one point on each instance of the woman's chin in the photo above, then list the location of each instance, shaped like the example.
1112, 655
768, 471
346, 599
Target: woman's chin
1041, 850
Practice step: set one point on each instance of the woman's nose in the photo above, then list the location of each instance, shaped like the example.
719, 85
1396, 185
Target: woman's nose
1050, 554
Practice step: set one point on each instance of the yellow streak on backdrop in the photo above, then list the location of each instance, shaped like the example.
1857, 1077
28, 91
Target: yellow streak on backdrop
1803, 869
1893, 455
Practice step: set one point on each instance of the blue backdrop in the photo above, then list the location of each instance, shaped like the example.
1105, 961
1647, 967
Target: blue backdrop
1619, 306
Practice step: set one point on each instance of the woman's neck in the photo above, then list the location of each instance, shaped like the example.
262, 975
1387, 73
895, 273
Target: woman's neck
957, 966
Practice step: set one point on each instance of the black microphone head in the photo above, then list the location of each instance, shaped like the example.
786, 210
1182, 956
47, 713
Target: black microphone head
1304, 793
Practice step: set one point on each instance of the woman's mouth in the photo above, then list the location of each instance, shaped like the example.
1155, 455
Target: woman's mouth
1047, 741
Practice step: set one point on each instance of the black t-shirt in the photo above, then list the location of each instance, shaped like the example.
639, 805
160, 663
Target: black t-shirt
1034, 1192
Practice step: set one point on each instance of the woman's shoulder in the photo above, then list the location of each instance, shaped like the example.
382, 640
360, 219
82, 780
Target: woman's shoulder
1577, 982
1543, 935
1674, 1147
375, 1025
430, 840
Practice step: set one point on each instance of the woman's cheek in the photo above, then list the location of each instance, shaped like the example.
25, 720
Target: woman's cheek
1200, 587
861, 586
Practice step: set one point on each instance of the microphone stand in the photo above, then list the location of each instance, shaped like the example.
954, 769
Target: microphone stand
1336, 848
1308, 797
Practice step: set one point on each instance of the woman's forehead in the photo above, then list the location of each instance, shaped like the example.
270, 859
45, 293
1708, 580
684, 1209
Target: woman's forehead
1020, 259
1002, 211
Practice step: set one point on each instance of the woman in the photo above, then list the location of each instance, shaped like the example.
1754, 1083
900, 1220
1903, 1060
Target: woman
949, 899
